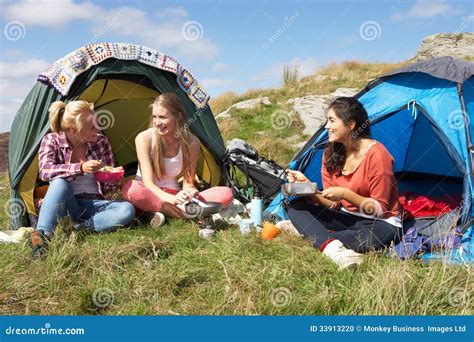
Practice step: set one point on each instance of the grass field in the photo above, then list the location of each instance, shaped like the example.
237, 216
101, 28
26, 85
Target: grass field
172, 271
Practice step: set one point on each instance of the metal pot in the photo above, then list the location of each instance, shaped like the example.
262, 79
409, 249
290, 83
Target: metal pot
195, 210
299, 189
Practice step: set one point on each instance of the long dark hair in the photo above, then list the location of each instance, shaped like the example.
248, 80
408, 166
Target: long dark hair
347, 109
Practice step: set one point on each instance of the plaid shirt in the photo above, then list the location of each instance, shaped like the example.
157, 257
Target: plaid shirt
55, 158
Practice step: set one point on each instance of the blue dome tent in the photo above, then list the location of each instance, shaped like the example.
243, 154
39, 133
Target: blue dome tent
424, 114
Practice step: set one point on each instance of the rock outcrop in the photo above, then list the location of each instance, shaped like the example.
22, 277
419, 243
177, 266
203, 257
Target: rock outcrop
247, 104
459, 45
312, 108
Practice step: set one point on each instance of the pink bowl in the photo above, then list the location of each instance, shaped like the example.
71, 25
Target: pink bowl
109, 177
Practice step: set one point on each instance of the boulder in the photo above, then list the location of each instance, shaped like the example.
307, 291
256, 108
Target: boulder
312, 108
459, 45
247, 104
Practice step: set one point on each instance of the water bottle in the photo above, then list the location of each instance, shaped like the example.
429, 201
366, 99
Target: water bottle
256, 209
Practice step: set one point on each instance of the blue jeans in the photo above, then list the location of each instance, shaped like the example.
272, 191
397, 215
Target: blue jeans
99, 215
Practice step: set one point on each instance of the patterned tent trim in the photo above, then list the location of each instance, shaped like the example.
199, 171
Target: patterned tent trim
62, 73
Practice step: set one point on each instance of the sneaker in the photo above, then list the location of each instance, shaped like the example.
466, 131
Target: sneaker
287, 226
342, 256
20, 234
38, 243
158, 220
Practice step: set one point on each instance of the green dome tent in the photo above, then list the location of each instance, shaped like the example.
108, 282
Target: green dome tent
122, 81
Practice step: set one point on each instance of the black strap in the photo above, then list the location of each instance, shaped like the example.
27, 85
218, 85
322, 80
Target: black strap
232, 181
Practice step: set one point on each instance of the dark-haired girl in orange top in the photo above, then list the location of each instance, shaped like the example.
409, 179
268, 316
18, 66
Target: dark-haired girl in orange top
358, 209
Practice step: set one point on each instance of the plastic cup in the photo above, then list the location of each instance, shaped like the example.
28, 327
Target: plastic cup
206, 233
246, 226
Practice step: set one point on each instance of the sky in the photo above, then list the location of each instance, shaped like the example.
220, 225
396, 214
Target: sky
226, 45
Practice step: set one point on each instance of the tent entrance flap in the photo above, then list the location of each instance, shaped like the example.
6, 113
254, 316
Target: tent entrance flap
422, 163
103, 91
123, 111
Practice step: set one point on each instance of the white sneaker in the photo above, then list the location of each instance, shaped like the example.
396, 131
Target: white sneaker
287, 226
158, 220
342, 256
21, 234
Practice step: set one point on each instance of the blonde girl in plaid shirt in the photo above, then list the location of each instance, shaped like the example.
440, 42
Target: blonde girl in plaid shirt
68, 158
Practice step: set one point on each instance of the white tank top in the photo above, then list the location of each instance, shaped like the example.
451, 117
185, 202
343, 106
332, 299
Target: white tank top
173, 167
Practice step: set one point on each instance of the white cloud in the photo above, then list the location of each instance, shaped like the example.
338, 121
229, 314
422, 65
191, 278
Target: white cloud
162, 29
23, 69
274, 74
216, 82
164, 34
427, 9
172, 13
49, 13
11, 54
220, 67
16, 80
123, 20
215, 85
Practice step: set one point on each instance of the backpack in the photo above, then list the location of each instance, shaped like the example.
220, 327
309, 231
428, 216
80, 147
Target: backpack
261, 174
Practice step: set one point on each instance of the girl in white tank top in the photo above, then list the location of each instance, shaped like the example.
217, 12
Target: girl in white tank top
173, 166
166, 151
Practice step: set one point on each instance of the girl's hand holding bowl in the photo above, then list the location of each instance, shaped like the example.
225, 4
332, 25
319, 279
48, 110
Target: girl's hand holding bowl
109, 174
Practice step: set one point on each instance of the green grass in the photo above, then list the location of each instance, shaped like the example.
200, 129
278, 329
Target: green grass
172, 270
4, 197
267, 128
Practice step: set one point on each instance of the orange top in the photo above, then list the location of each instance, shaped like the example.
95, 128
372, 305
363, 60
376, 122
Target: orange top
373, 178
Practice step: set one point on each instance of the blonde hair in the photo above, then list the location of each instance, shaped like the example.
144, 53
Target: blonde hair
64, 116
175, 107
